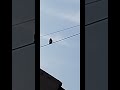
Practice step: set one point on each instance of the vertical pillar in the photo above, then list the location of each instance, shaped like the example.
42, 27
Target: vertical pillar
23, 47
96, 45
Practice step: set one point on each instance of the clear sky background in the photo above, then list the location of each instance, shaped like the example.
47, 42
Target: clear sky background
61, 59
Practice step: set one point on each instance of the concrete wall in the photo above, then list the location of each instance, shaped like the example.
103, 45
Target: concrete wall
23, 59
96, 45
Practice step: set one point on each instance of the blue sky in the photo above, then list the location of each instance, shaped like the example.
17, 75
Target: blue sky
62, 59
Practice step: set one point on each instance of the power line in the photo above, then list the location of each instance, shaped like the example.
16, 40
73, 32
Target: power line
92, 2
60, 30
23, 46
23, 22
78, 33
74, 27
96, 21
61, 39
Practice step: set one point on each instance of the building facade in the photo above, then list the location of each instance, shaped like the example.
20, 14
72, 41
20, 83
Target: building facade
96, 45
23, 54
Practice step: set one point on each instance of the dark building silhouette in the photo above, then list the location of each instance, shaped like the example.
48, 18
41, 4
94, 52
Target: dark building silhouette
48, 82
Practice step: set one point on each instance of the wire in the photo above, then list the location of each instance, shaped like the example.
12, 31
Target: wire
93, 2
23, 22
61, 39
78, 33
96, 21
23, 46
49, 34
60, 30
74, 27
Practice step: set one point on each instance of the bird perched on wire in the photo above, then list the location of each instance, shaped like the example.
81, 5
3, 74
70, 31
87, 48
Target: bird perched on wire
50, 41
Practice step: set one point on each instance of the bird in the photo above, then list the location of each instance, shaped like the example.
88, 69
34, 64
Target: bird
50, 41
